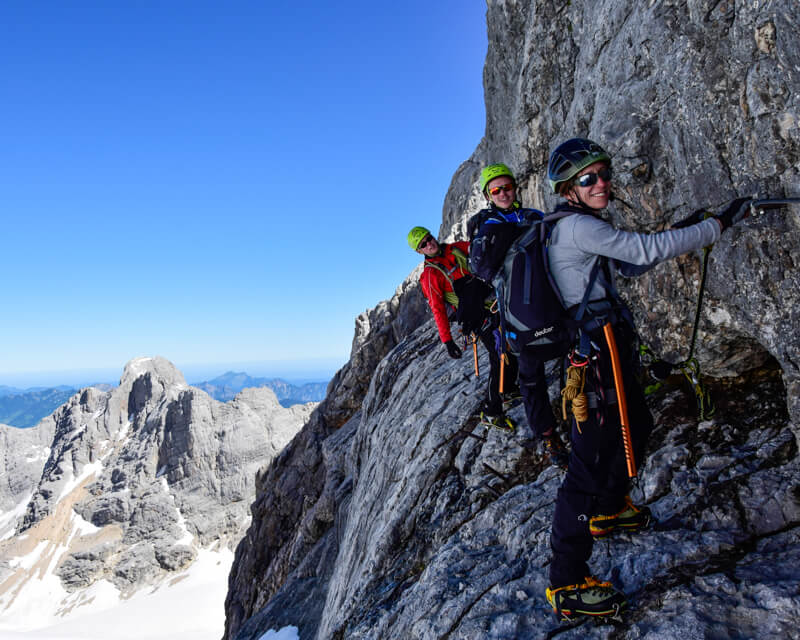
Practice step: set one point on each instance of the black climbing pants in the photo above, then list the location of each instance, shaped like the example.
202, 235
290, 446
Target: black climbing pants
597, 480
487, 336
533, 388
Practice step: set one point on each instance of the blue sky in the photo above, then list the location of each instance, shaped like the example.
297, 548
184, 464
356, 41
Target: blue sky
220, 183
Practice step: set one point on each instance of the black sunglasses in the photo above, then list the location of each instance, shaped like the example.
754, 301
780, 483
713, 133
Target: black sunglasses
425, 242
588, 179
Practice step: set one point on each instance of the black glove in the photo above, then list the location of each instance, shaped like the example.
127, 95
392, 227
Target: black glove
736, 212
452, 349
697, 216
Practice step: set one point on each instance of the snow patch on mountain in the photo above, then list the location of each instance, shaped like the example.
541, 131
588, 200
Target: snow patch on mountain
135, 508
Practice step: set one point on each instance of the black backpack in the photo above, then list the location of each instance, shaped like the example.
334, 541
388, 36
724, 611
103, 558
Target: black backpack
531, 309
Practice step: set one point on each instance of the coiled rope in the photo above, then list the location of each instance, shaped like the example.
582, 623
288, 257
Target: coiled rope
573, 392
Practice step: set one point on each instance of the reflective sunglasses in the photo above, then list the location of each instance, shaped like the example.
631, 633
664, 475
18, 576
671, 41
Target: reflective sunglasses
425, 242
503, 187
588, 179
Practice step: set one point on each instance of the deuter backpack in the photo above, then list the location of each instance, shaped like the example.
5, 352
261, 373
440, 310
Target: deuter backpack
532, 315
532, 312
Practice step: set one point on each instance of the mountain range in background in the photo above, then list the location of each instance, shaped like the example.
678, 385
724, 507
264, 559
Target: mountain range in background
226, 386
119, 512
24, 408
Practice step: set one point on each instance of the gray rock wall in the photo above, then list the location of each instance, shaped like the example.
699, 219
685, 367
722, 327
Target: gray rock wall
697, 103
19, 472
410, 523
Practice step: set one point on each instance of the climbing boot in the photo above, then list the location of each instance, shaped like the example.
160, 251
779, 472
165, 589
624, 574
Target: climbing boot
630, 518
511, 399
555, 450
590, 598
502, 422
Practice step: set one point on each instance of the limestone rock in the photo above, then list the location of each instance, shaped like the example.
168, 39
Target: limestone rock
24, 453
407, 522
138, 479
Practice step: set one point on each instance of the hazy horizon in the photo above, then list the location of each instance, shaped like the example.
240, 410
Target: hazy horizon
295, 371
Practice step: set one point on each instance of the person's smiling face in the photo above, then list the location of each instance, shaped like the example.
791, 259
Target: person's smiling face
428, 247
598, 192
501, 191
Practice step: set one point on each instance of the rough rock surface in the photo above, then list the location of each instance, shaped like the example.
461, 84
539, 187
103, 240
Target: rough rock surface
697, 102
24, 453
139, 478
391, 516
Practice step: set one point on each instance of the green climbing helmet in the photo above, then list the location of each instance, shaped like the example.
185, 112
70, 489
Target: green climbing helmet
571, 157
493, 171
416, 235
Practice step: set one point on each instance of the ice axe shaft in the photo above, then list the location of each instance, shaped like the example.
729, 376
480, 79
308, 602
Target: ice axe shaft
622, 402
758, 207
475, 354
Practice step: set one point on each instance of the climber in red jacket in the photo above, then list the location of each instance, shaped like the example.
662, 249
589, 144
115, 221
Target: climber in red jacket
452, 290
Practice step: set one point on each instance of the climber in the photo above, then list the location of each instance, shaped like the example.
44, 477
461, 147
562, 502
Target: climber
584, 251
448, 285
491, 231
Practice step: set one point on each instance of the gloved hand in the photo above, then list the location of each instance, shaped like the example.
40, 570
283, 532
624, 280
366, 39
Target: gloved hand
697, 216
452, 349
736, 212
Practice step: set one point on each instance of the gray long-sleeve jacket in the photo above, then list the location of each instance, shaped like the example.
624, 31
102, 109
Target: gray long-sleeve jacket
578, 240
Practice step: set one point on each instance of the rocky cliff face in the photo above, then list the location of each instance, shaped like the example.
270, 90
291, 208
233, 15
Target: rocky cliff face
24, 453
136, 481
390, 516
697, 103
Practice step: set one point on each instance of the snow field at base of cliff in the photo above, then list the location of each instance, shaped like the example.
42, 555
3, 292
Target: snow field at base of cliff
190, 606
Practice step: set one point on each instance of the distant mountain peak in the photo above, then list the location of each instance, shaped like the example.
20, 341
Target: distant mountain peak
157, 366
129, 487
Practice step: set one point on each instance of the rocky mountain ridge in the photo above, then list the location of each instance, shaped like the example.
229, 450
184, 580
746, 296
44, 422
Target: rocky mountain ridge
123, 489
415, 524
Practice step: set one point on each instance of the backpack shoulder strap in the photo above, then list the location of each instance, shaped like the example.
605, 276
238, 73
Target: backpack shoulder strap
440, 269
449, 296
461, 258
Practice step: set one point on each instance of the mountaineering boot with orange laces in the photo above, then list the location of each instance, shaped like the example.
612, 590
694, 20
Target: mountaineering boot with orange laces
590, 598
630, 518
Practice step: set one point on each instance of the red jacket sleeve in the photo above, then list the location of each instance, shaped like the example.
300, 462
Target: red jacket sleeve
434, 285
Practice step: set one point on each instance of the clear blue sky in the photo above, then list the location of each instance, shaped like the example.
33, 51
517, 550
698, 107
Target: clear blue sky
220, 182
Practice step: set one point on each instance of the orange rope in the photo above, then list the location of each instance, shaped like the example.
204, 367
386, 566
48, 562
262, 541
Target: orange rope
475, 353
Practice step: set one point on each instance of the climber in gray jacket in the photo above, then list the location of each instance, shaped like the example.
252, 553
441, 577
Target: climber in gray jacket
586, 251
